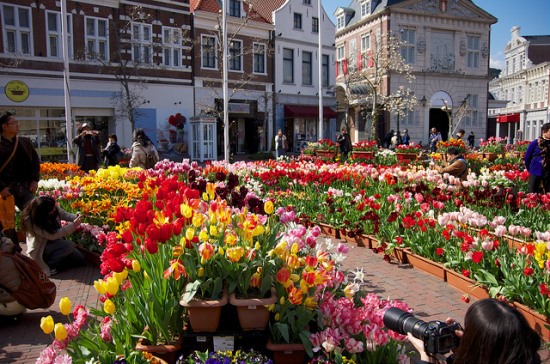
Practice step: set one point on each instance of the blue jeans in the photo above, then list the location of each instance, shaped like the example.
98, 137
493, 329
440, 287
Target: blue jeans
62, 253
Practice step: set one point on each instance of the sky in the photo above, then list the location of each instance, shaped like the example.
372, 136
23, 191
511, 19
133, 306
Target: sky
533, 16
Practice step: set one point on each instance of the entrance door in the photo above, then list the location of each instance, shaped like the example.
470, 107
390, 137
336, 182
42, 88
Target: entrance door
440, 121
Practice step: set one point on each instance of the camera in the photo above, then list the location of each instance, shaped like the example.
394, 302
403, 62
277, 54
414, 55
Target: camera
438, 337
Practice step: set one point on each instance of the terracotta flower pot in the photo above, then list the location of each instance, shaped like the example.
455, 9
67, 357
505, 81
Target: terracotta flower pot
253, 313
427, 266
466, 285
407, 156
536, 320
204, 315
167, 353
286, 353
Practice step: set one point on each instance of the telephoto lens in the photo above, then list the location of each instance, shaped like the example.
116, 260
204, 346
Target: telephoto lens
403, 322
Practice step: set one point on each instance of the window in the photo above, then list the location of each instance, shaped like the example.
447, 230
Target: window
365, 8
307, 70
340, 54
235, 8
171, 41
97, 42
407, 49
235, 55
297, 21
473, 52
365, 47
325, 70
142, 43
208, 51
307, 2
340, 22
410, 119
472, 119
314, 25
288, 65
17, 29
259, 58
55, 39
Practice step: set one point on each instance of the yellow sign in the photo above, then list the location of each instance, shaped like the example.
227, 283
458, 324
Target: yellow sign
16, 91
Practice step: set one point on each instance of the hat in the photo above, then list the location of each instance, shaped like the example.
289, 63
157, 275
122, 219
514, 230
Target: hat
85, 125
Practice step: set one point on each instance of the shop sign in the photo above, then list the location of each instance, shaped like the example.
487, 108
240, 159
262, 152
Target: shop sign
16, 91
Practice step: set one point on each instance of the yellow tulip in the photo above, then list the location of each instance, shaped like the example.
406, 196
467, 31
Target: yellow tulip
189, 233
112, 286
269, 207
205, 196
46, 324
186, 210
200, 272
277, 316
60, 332
100, 286
282, 300
109, 307
213, 230
204, 235
257, 246
136, 265
65, 306
120, 276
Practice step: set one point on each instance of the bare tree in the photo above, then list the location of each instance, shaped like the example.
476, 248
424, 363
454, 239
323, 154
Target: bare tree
364, 76
459, 114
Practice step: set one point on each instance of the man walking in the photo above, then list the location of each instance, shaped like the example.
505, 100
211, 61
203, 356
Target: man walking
19, 166
435, 137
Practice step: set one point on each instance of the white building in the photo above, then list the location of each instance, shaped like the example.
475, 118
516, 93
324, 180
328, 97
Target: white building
522, 87
447, 44
299, 28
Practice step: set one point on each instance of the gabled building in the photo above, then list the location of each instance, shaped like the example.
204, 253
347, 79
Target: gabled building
522, 87
117, 52
250, 70
300, 26
445, 42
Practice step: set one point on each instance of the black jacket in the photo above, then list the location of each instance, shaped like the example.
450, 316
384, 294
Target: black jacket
23, 167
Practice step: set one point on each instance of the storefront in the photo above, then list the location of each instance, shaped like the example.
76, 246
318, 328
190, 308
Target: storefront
302, 125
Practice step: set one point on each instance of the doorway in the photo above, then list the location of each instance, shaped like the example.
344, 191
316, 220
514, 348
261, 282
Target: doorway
440, 121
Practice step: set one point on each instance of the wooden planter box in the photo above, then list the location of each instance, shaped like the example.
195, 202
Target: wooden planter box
426, 265
466, 285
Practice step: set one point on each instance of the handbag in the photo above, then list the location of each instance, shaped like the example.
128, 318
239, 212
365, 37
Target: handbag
7, 212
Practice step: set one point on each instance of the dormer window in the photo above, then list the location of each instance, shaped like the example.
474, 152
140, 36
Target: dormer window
340, 21
235, 8
365, 8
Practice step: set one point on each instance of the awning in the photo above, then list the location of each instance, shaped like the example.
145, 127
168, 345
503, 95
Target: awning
309, 111
510, 118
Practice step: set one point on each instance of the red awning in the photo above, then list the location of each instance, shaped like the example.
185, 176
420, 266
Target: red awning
510, 118
309, 111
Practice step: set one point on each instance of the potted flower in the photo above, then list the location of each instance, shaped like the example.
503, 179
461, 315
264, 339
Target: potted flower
407, 152
492, 147
458, 144
223, 357
364, 149
327, 149
310, 149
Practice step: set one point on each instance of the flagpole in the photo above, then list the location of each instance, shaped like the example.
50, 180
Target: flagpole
66, 81
320, 70
225, 85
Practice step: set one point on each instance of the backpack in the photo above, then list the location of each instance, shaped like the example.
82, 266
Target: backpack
36, 290
150, 159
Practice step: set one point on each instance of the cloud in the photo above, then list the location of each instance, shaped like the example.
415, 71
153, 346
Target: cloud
496, 63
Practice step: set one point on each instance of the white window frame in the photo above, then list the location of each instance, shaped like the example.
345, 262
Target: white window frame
57, 35
408, 37
172, 47
365, 47
260, 57
288, 79
142, 43
235, 8
340, 56
96, 39
18, 32
365, 8
472, 60
235, 56
307, 67
340, 21
473, 118
209, 51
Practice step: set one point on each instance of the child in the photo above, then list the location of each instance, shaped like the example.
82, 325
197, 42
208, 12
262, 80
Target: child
111, 153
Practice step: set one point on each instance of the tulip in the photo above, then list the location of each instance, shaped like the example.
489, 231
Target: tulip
136, 266
112, 286
100, 286
200, 272
109, 307
60, 332
46, 324
269, 207
65, 306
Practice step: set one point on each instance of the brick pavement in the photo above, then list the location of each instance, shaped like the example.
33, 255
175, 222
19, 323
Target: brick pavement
21, 342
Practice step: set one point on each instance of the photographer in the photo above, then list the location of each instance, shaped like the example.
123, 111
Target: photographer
88, 154
494, 332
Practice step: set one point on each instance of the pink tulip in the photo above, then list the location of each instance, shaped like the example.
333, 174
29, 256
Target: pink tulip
513, 230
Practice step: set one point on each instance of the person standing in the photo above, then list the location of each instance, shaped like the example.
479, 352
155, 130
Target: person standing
344, 141
280, 144
19, 167
435, 137
406, 139
88, 155
537, 161
142, 150
112, 152
471, 139
460, 134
